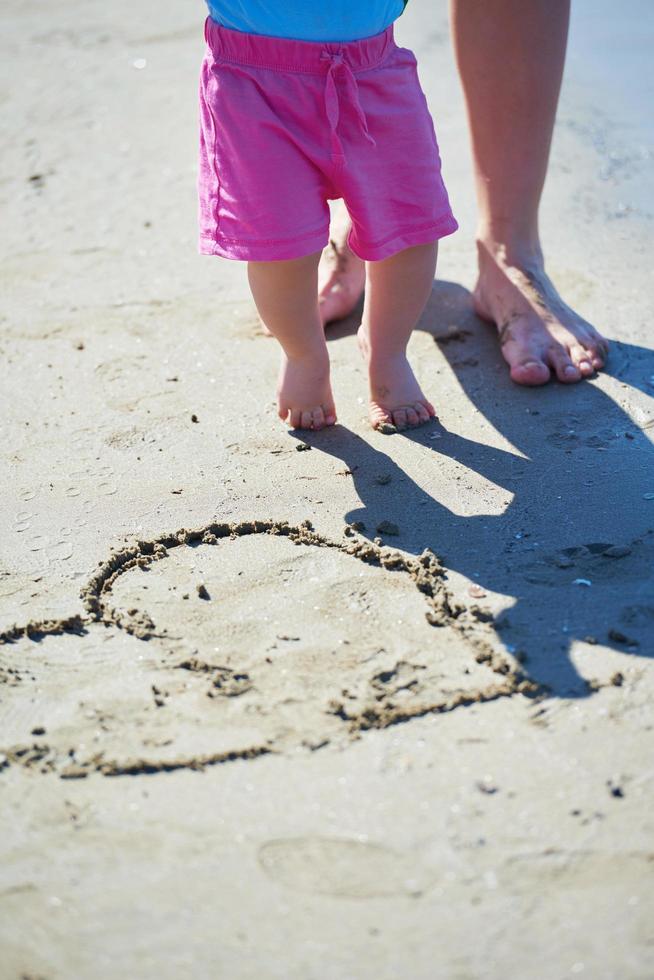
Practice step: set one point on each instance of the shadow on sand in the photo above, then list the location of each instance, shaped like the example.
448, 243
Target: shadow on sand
578, 468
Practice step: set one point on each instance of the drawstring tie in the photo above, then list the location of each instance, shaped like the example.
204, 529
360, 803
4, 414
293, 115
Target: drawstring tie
332, 105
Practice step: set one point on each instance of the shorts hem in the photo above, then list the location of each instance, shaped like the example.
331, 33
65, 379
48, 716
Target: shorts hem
274, 251
408, 238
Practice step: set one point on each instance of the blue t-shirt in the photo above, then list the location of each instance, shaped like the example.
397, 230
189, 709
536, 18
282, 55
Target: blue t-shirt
307, 20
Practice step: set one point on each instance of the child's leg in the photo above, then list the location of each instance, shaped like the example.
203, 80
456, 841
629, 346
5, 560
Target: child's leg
286, 296
397, 291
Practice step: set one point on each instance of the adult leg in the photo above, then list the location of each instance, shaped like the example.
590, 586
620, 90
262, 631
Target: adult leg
286, 296
397, 291
510, 55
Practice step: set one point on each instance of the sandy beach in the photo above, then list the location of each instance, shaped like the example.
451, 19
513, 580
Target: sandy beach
324, 706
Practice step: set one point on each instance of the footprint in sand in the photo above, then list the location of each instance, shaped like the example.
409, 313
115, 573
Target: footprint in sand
345, 868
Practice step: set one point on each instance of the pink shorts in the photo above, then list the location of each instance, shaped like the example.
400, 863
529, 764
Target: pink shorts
287, 125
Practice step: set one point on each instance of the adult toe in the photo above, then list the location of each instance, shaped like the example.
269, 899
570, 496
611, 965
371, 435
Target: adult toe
530, 371
598, 351
581, 359
565, 370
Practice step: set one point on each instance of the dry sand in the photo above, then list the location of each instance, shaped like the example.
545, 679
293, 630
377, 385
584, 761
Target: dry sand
239, 745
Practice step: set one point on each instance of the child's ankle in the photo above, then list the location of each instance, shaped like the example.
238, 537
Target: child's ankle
379, 353
307, 353
386, 356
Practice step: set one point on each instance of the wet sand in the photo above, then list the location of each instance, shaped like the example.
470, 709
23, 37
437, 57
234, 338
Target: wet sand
380, 708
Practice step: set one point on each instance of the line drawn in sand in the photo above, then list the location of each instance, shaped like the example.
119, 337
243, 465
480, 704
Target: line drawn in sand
390, 691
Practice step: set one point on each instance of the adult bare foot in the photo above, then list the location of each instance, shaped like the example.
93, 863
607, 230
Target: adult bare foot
538, 332
396, 398
341, 278
304, 394
341, 273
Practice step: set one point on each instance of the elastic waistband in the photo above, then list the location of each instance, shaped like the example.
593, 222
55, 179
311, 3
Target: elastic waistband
282, 54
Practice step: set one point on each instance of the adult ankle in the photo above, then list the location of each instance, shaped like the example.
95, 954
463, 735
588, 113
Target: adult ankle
521, 250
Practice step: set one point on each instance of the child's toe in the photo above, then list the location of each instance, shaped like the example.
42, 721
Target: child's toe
421, 411
318, 417
399, 418
296, 418
306, 419
412, 417
378, 415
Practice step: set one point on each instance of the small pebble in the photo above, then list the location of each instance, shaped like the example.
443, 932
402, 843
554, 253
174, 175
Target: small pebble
617, 551
387, 429
194, 418
387, 527
476, 591
302, 447
39, 730
201, 590
619, 637
486, 787
383, 479
74, 772
648, 496
582, 581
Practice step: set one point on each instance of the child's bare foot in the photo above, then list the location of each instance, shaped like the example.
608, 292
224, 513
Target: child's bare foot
395, 395
304, 394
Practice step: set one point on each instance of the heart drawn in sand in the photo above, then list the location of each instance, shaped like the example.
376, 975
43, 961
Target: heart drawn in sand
237, 640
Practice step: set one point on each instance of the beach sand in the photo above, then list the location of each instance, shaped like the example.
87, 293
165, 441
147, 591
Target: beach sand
239, 738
